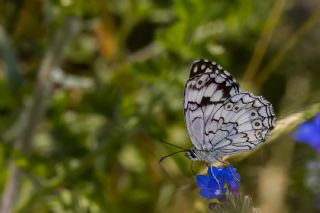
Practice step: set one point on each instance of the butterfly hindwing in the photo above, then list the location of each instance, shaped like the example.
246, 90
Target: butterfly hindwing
251, 118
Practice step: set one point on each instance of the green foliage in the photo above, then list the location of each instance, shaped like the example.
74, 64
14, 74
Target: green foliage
118, 89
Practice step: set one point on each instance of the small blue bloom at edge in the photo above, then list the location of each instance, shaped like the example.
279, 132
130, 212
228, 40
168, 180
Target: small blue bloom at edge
218, 180
202, 181
309, 133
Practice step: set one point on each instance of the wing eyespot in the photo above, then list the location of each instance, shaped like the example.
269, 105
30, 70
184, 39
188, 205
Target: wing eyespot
236, 109
258, 135
257, 124
228, 106
253, 114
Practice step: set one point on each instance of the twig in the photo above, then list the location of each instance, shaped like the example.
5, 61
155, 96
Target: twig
292, 41
264, 40
35, 111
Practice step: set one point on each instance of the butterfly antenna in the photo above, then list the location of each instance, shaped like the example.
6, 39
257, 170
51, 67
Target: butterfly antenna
170, 155
216, 179
232, 173
184, 149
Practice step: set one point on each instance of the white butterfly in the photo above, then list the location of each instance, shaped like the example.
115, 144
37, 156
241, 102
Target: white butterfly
221, 119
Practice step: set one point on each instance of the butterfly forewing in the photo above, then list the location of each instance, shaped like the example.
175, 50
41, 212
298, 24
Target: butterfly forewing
219, 116
205, 92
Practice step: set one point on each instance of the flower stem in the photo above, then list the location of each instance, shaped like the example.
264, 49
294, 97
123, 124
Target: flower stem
34, 112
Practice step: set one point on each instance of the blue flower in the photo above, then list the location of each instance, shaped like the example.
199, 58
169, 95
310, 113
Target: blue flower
309, 133
232, 179
218, 180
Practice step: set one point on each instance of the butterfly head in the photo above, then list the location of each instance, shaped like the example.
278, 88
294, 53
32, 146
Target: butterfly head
192, 154
195, 154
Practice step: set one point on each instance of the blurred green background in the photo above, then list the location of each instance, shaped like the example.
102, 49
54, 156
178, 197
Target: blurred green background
87, 89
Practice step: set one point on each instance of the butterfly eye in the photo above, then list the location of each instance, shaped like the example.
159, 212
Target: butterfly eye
229, 106
191, 154
257, 124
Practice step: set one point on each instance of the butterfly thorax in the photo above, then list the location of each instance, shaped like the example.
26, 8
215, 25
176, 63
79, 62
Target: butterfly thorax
205, 156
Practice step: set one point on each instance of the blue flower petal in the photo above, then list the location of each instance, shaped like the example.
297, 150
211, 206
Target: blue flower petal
207, 193
315, 144
228, 175
306, 132
215, 172
212, 171
234, 187
213, 184
211, 194
218, 180
220, 192
202, 181
309, 133
317, 120
231, 174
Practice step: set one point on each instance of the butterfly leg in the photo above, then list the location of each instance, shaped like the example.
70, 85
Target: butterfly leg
220, 160
226, 164
192, 169
233, 175
216, 179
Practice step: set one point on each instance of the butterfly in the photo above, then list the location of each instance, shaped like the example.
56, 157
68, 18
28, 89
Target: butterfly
221, 119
